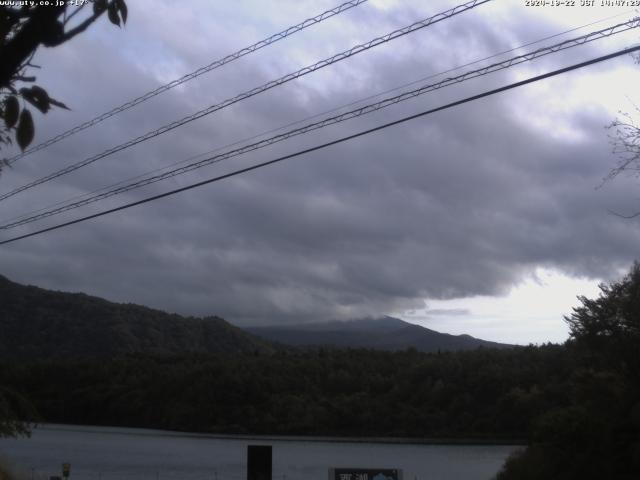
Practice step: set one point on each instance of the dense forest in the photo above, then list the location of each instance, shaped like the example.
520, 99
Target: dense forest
485, 393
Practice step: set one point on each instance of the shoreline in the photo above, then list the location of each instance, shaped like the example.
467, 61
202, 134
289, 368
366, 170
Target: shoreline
282, 438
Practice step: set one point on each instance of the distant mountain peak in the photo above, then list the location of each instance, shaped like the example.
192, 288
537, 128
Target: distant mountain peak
382, 333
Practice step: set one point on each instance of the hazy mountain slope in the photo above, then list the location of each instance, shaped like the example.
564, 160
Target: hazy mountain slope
386, 333
39, 323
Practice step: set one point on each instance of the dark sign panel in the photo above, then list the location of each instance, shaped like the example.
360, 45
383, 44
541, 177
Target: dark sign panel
365, 474
259, 462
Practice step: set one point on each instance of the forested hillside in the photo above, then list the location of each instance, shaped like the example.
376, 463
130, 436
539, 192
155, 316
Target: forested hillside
485, 393
39, 323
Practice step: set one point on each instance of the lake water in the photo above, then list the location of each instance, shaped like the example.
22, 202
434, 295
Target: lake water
99, 453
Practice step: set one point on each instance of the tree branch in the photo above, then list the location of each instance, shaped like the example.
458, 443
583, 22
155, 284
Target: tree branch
26, 41
73, 14
78, 29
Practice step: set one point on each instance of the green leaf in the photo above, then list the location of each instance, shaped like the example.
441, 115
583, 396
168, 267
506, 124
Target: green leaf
99, 6
11, 111
113, 14
124, 11
55, 102
38, 97
26, 130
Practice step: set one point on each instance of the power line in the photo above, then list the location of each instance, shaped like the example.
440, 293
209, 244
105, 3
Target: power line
317, 115
331, 143
592, 36
190, 76
311, 117
250, 93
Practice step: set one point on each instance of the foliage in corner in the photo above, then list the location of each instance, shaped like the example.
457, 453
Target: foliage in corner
598, 434
625, 138
16, 414
22, 30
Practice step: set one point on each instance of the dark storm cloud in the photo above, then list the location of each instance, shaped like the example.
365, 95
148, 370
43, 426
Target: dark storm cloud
461, 203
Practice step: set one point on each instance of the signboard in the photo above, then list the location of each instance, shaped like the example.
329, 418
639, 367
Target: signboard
259, 463
365, 474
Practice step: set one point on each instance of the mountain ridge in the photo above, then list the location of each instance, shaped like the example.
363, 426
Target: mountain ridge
382, 333
40, 323
37, 323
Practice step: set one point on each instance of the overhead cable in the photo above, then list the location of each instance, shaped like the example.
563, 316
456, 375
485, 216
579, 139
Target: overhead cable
306, 119
190, 76
328, 144
590, 37
255, 91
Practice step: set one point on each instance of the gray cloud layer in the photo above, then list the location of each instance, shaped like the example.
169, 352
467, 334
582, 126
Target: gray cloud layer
461, 203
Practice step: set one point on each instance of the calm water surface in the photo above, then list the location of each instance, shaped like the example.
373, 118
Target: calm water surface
99, 453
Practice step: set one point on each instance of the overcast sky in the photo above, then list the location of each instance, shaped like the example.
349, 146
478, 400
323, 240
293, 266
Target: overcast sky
484, 219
